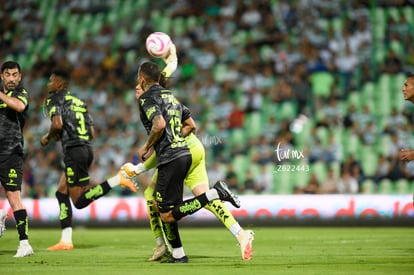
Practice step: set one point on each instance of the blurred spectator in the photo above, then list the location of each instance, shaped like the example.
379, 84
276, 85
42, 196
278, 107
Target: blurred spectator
382, 170
264, 179
313, 186
346, 63
394, 121
392, 63
347, 184
263, 152
231, 178
250, 184
369, 134
215, 173
236, 117
330, 184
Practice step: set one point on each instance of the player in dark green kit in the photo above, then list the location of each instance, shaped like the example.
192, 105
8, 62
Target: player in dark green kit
73, 125
14, 104
163, 115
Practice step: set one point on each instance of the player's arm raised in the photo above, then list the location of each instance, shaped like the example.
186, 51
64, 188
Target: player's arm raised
171, 62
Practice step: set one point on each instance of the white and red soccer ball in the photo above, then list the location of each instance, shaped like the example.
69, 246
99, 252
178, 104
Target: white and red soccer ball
158, 44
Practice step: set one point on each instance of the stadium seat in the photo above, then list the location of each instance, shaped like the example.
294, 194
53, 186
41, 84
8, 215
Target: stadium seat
237, 136
402, 186
351, 143
368, 187
282, 183
385, 187
409, 13
253, 124
320, 169
287, 110
368, 159
321, 83
241, 165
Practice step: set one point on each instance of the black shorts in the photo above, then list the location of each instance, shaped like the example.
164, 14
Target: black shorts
169, 187
77, 163
11, 172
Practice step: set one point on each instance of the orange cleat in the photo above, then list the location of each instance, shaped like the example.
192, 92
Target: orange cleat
61, 246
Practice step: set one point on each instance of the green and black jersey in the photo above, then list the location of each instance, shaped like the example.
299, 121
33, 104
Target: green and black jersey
12, 123
160, 101
77, 122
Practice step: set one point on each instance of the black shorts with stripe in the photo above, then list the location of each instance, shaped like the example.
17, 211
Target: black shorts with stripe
169, 187
11, 171
77, 162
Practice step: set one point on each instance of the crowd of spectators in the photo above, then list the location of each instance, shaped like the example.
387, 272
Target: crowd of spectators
248, 70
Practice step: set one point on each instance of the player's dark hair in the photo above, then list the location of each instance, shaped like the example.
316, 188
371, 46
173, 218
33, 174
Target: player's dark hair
62, 74
151, 72
10, 65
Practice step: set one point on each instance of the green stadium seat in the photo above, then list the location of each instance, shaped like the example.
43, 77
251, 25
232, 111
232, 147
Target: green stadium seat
409, 13
320, 169
369, 159
237, 136
287, 110
385, 187
368, 187
382, 146
393, 12
282, 183
351, 143
253, 124
321, 83
402, 186
368, 91
241, 165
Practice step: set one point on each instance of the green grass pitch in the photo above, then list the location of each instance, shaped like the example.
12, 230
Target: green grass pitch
276, 250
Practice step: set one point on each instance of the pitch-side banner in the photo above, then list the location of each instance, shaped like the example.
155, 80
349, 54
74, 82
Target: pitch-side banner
265, 208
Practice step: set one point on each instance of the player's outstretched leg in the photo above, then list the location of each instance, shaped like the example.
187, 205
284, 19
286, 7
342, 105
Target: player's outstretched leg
225, 194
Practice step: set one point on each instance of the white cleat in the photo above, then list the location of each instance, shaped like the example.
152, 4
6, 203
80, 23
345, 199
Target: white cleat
24, 250
159, 252
245, 239
3, 217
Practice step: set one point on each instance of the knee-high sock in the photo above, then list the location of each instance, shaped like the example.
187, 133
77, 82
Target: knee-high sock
92, 194
189, 206
221, 212
172, 234
154, 215
22, 223
65, 216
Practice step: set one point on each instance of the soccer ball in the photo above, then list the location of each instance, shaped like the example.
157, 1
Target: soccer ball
158, 44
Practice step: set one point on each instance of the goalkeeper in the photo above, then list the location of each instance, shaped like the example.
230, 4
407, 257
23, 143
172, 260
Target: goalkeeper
196, 180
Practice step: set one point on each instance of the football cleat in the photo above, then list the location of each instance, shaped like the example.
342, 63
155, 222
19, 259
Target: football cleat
61, 246
172, 260
245, 239
161, 251
24, 250
126, 181
225, 194
3, 217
